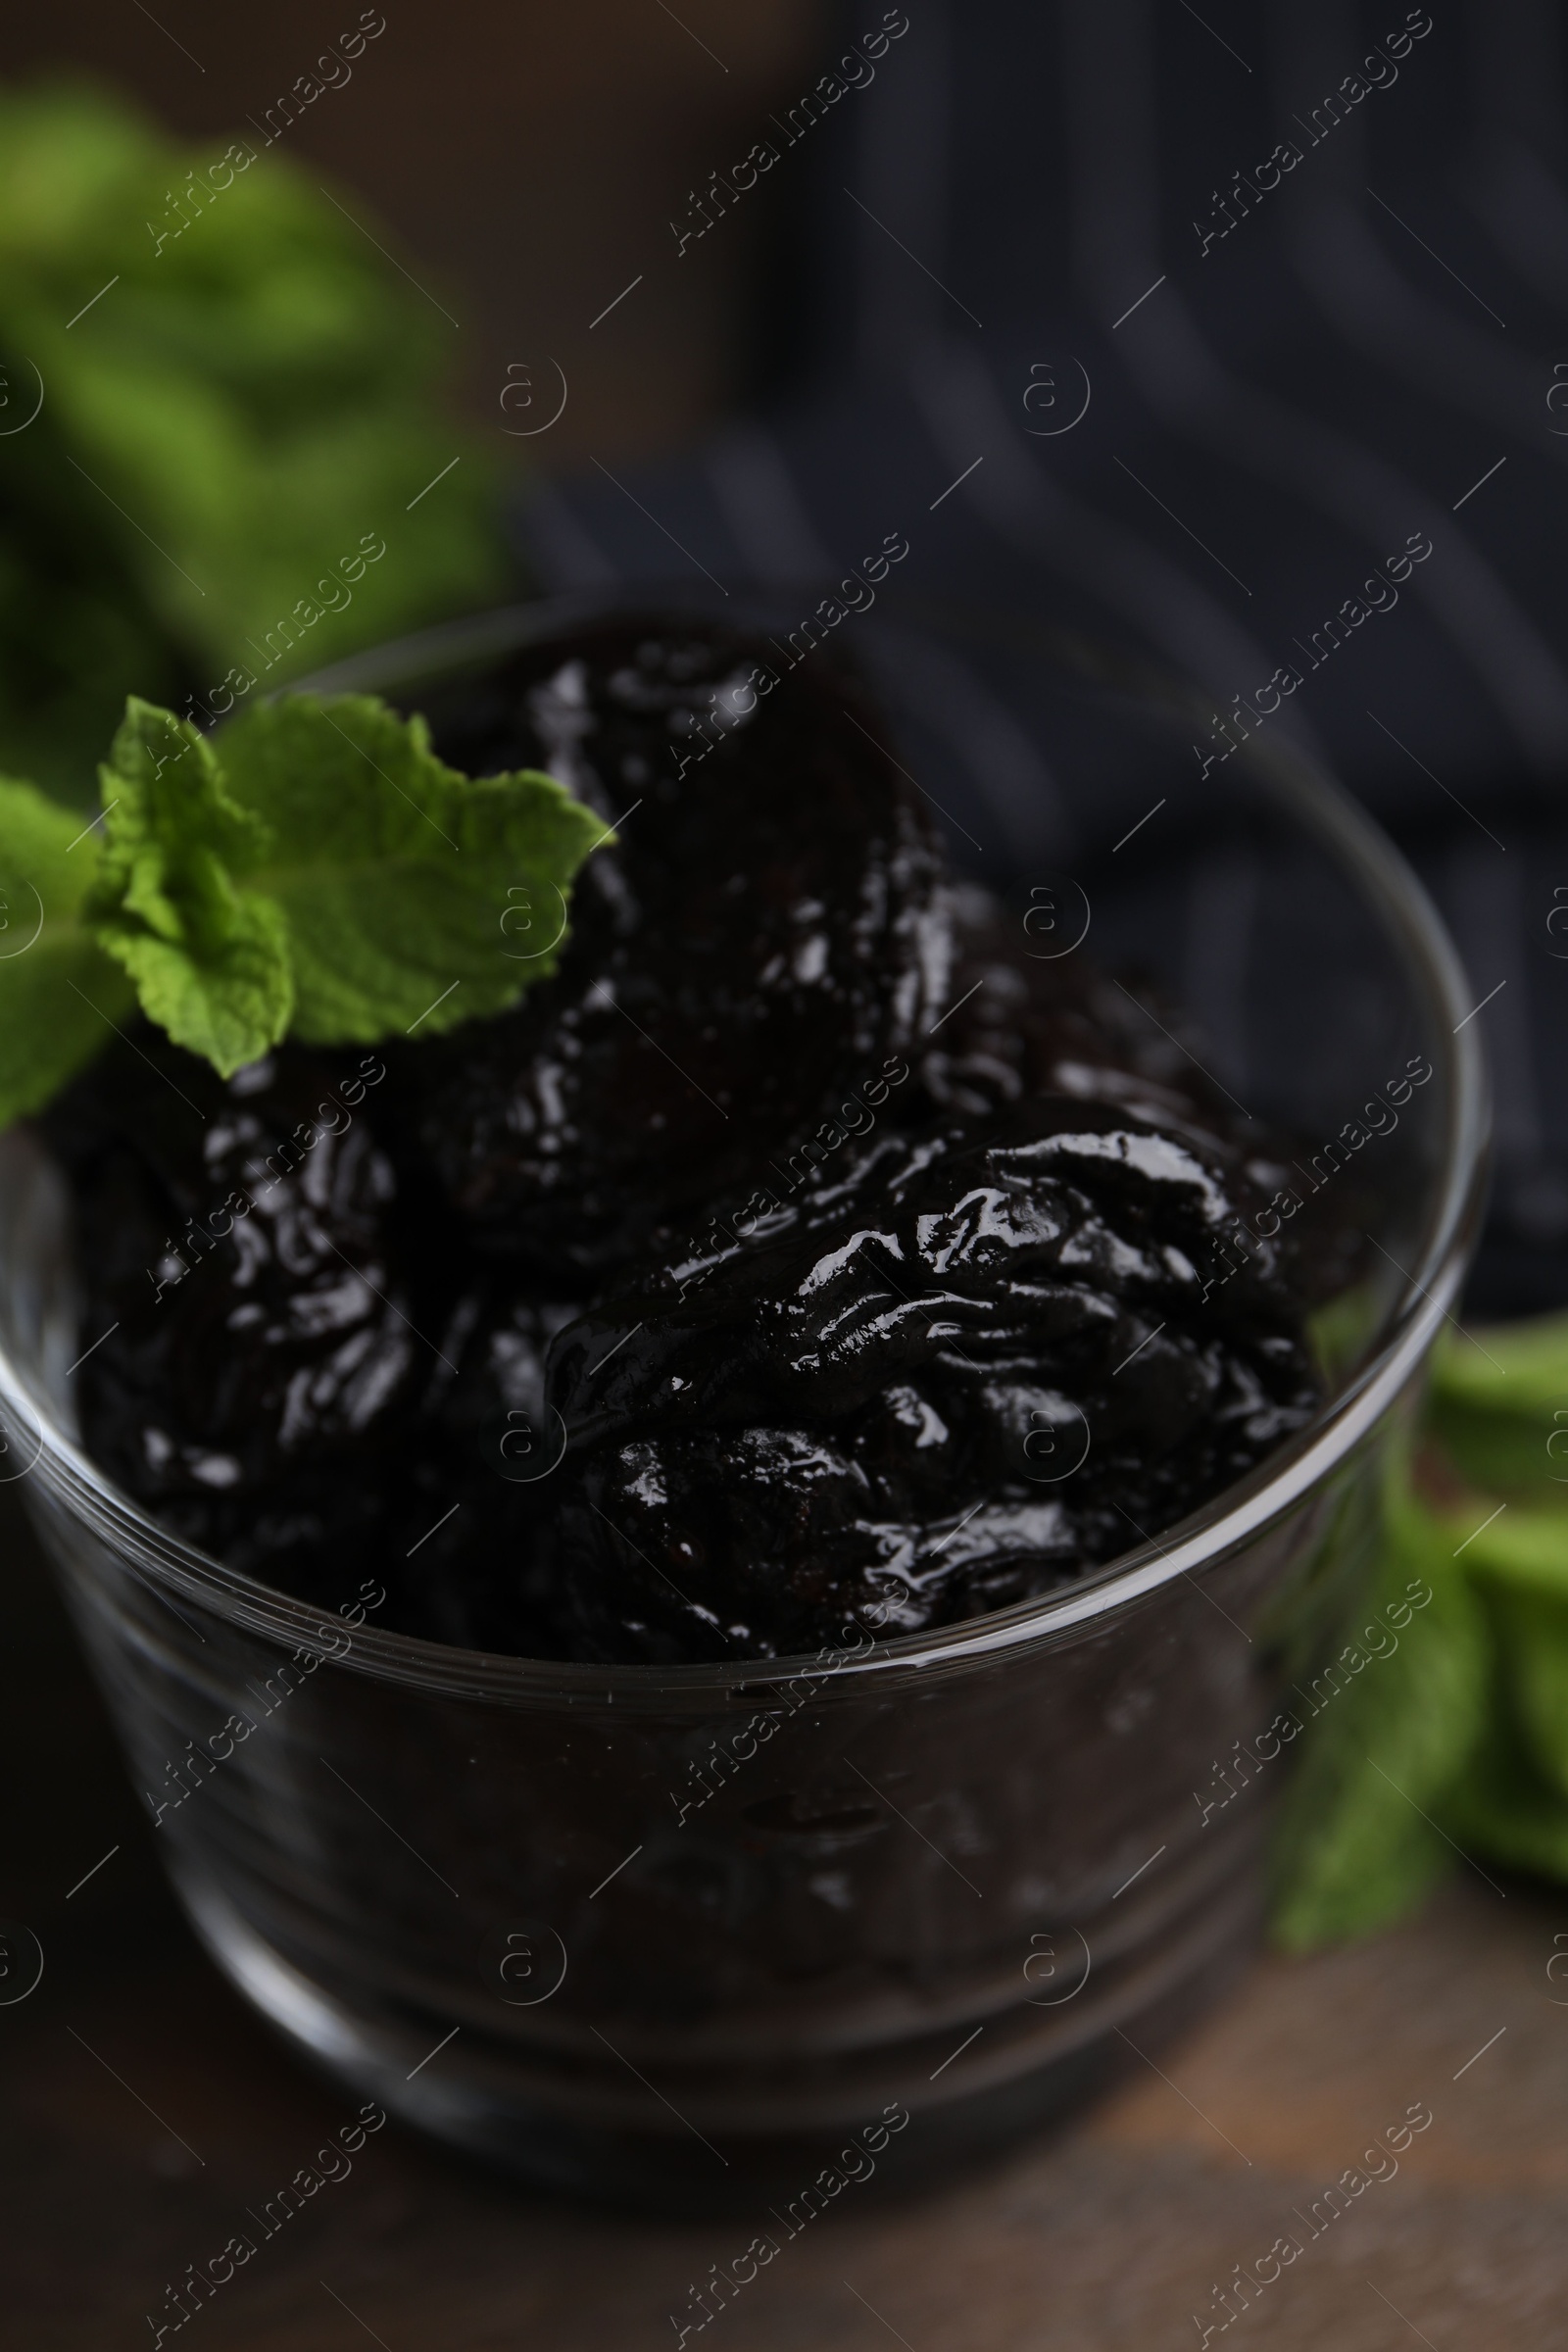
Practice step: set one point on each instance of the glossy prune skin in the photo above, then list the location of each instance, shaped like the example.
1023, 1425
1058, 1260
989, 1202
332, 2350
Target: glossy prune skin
869, 1411
1025, 1025
480, 1474
755, 1284
245, 1252
765, 928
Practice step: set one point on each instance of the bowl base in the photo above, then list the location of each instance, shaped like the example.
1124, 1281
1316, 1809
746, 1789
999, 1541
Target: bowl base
677, 2172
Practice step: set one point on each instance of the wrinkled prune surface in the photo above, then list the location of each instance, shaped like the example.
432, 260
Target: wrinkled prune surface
254, 1303
805, 1255
976, 1366
482, 1476
765, 924
1024, 1025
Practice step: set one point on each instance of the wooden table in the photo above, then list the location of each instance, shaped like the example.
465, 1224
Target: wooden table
144, 2108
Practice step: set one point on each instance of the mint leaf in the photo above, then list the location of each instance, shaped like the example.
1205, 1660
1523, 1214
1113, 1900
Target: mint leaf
59, 993
1505, 1807
1388, 1746
1519, 1565
1520, 1367
318, 871
1499, 1405
258, 390
415, 897
209, 955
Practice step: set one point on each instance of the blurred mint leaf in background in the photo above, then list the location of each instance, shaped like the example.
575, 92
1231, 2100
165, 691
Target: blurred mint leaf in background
1514, 1807
1357, 1845
1470, 1718
1493, 1402
233, 420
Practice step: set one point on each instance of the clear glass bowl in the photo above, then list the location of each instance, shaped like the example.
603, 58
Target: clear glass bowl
675, 1934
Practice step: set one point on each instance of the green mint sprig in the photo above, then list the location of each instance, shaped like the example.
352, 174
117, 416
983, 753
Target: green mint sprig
1456, 1738
314, 870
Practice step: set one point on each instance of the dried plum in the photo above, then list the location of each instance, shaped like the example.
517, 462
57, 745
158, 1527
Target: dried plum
478, 1480
245, 1255
768, 926
870, 1409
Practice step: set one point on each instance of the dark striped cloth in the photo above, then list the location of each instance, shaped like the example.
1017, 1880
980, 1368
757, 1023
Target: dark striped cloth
1309, 266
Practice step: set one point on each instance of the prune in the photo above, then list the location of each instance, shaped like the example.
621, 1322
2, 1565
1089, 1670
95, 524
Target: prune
874, 1408
1024, 1025
480, 1476
768, 926
255, 1349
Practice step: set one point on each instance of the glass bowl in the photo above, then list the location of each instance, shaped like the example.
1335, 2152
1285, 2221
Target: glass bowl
685, 1936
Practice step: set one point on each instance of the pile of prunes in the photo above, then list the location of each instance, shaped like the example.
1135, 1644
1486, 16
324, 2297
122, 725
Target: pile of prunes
803, 1255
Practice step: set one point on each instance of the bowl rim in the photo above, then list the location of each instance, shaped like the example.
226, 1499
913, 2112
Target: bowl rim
1299, 786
